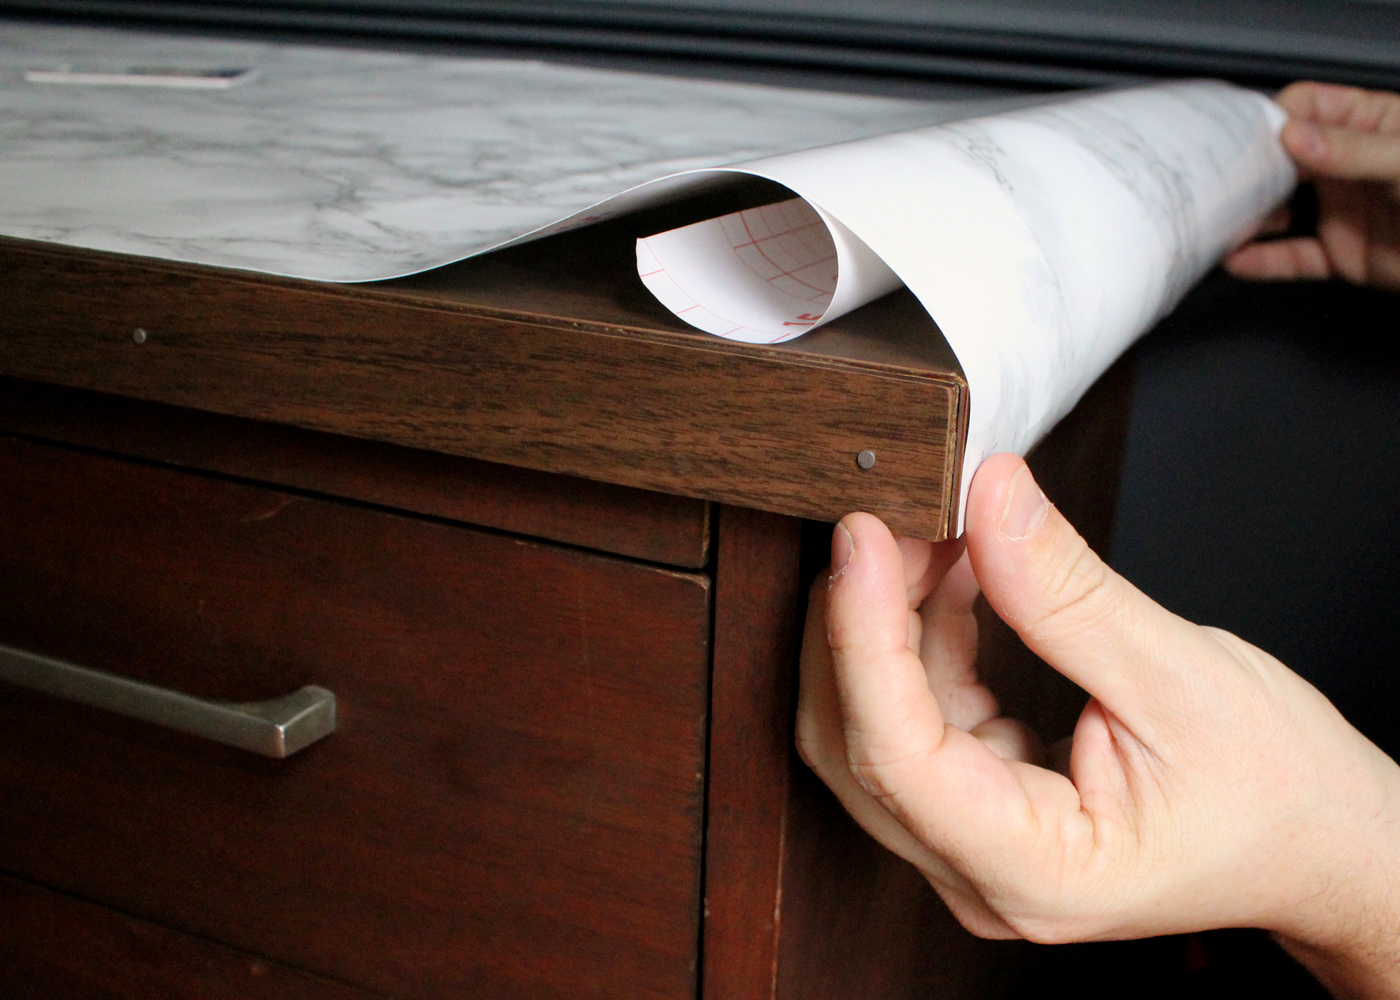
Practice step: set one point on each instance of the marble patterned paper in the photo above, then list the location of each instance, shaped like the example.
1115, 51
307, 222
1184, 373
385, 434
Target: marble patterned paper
350, 165
1042, 240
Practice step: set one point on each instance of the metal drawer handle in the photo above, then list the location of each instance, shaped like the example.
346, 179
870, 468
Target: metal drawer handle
278, 727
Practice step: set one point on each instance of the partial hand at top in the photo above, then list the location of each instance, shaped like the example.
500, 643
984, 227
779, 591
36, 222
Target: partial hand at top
1346, 141
1207, 784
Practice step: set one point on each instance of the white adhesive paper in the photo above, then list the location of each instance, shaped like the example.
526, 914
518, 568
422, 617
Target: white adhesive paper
358, 165
762, 275
1043, 241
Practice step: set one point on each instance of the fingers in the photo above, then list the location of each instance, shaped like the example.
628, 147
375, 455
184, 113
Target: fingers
1342, 132
1350, 227
1347, 141
821, 743
1280, 260
949, 649
1071, 609
1342, 153
1011, 739
1358, 239
890, 714
925, 565
1341, 107
948, 787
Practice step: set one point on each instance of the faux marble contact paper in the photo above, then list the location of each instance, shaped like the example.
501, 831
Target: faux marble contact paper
1043, 240
354, 165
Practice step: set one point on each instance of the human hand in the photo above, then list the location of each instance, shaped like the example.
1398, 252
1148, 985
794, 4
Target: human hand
1207, 785
1345, 141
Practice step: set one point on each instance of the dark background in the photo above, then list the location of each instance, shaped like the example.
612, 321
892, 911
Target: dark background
1261, 494
1260, 490
1056, 43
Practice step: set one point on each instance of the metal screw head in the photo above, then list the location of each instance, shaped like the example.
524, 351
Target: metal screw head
139, 335
866, 459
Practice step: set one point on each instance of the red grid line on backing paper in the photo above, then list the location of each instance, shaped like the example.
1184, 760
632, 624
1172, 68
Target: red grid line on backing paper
794, 277
774, 236
785, 335
755, 243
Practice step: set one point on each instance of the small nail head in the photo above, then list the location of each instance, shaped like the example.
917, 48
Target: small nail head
139, 335
866, 459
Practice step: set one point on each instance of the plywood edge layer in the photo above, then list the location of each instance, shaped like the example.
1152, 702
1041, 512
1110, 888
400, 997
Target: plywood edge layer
652, 409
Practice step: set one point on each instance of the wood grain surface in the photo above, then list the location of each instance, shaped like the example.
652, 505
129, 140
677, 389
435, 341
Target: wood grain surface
849, 918
549, 358
755, 646
55, 947
638, 523
799, 901
511, 806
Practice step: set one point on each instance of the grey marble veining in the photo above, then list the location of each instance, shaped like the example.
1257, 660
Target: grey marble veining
351, 165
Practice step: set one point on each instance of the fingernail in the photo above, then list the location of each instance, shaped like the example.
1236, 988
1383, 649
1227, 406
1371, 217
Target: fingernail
1307, 141
1025, 507
842, 545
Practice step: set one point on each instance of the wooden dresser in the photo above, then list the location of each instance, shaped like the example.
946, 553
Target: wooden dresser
549, 550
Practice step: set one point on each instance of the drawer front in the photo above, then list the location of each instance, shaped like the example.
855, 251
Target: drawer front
634, 523
55, 947
510, 807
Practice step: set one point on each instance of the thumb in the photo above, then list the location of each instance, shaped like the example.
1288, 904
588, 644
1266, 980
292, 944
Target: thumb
944, 785
889, 713
1343, 153
1068, 606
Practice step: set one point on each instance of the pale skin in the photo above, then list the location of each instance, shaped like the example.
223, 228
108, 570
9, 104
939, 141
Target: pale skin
1206, 784
1345, 141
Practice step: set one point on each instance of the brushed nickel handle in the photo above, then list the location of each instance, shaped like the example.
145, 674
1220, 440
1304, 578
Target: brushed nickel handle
278, 727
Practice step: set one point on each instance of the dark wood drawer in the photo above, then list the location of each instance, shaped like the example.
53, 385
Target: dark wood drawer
511, 806
55, 947
615, 519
